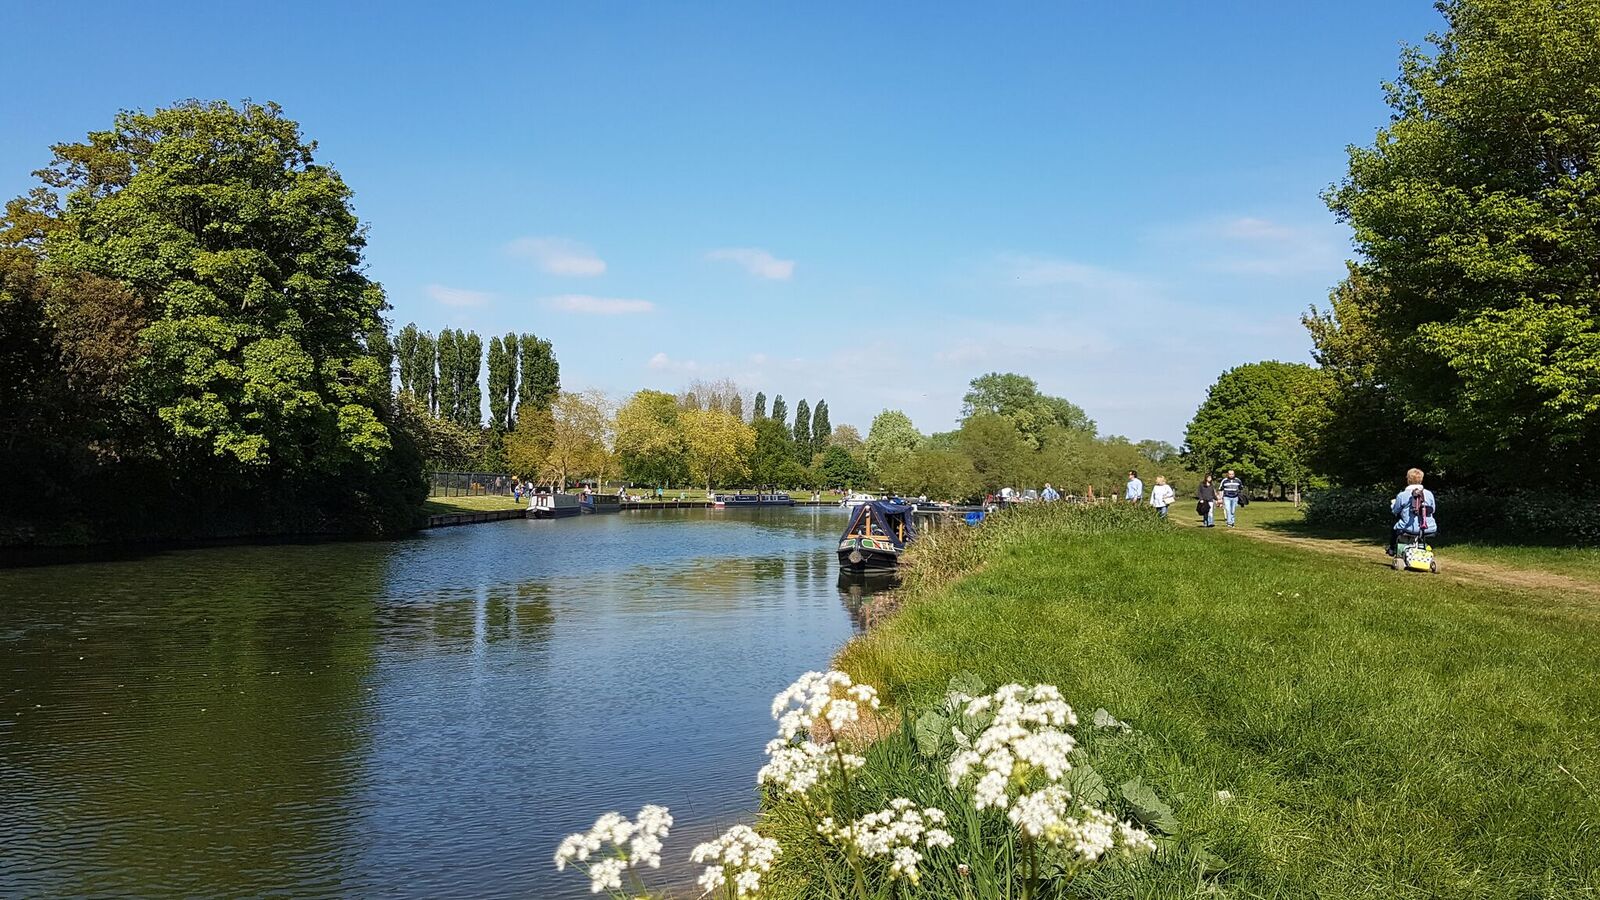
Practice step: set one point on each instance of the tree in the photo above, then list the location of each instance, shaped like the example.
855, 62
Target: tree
846, 436
469, 392
719, 446
1477, 215
1246, 422
427, 375
572, 436
891, 434
406, 345
761, 406
772, 456
736, 406
443, 444
997, 449
527, 446
651, 445
1157, 451
927, 472
541, 374
445, 388
1017, 398
821, 429
802, 433
503, 382
780, 410
840, 469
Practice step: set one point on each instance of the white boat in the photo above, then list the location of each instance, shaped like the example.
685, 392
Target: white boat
554, 506
855, 499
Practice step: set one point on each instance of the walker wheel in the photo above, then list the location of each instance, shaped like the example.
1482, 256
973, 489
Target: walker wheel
1433, 566
1399, 563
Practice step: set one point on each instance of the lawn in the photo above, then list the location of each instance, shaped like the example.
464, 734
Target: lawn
1381, 735
436, 506
1574, 561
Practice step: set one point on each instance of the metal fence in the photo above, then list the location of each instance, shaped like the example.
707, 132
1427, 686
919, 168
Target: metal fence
468, 484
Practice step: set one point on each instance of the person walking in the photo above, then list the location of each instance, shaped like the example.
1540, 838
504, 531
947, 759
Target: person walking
1208, 502
1135, 492
1232, 487
1049, 495
1162, 496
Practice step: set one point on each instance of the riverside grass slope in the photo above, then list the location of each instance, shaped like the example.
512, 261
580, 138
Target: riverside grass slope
1379, 735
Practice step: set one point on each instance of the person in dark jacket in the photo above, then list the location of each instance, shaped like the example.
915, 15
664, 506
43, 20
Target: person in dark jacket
1208, 501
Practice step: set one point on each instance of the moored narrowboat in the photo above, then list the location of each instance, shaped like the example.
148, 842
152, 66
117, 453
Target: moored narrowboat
877, 536
554, 506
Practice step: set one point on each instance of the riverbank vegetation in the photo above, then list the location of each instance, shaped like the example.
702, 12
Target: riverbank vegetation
1319, 727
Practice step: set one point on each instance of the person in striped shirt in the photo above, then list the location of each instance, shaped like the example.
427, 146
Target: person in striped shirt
1231, 487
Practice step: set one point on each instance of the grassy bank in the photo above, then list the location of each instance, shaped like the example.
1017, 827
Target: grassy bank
438, 506
1377, 734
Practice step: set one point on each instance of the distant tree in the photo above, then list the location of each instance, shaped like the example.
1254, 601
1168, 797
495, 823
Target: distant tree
997, 448
446, 398
406, 349
939, 474
1246, 422
573, 434
1017, 398
772, 456
719, 446
469, 391
426, 371
780, 411
1475, 214
651, 445
821, 429
1157, 451
541, 374
761, 406
846, 436
802, 433
502, 382
840, 469
736, 406
527, 446
443, 444
892, 434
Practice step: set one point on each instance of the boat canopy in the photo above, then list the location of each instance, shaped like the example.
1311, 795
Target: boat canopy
883, 519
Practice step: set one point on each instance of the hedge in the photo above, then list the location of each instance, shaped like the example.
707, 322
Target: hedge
1569, 518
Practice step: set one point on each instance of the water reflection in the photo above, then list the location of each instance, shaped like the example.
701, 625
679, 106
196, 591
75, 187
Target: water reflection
416, 718
857, 590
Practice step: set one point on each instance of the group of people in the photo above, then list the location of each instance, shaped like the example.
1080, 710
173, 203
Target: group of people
1229, 493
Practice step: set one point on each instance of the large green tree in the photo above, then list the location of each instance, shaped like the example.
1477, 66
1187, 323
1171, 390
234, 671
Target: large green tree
772, 456
1477, 216
821, 429
503, 382
780, 410
1017, 397
541, 374
802, 433
1251, 421
891, 435
761, 406
651, 443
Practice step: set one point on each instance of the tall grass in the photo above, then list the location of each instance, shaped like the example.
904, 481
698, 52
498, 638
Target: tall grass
1374, 734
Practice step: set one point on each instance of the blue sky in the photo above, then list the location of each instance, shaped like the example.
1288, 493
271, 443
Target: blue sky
871, 203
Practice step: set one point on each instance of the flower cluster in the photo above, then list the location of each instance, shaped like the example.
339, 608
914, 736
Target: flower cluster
895, 833
634, 843
1049, 816
1023, 734
796, 768
821, 695
740, 856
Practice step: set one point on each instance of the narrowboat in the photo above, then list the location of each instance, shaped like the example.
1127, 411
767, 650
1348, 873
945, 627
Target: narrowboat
732, 500
554, 506
877, 536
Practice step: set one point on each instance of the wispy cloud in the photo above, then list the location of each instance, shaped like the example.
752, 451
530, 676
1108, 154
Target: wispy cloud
587, 304
450, 296
559, 256
664, 363
1250, 245
1029, 271
756, 261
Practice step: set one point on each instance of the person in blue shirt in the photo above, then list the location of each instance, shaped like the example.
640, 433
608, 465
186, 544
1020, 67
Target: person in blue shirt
1231, 488
1135, 492
1050, 495
1410, 520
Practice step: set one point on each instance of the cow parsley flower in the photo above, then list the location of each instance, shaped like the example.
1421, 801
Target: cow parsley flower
894, 833
739, 857
821, 695
796, 768
1049, 816
634, 843
1023, 735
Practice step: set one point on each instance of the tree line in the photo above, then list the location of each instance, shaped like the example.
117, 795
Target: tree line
1465, 337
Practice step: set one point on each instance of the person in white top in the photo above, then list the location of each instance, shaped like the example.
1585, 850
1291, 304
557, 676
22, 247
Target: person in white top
1162, 495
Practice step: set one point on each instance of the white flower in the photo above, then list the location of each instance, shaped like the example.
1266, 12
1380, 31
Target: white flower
894, 833
1049, 816
741, 855
636, 843
1023, 735
821, 695
795, 768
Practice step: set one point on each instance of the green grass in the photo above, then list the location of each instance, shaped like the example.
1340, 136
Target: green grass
1576, 562
1382, 735
436, 506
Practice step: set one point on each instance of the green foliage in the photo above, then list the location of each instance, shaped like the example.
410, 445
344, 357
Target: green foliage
821, 429
503, 382
1017, 398
933, 473
541, 374
802, 433
996, 448
1253, 420
772, 458
890, 436
1477, 213
761, 406
780, 410
1556, 517
651, 443
839, 468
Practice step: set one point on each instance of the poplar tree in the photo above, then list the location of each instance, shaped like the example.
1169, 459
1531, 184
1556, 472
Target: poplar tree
780, 410
761, 406
821, 429
802, 432
541, 374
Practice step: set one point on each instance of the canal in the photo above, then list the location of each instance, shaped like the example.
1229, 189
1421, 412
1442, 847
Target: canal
425, 717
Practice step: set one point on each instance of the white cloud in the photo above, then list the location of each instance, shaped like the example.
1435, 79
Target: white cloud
665, 363
450, 296
1023, 270
756, 261
1249, 245
598, 306
559, 256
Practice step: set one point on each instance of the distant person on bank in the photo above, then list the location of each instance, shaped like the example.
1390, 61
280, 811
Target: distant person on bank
1162, 496
1206, 506
1232, 487
1412, 518
1135, 491
1049, 494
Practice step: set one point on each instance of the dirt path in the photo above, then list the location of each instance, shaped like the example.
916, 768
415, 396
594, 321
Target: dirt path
1453, 570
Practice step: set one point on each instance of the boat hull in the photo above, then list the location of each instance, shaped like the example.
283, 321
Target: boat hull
563, 512
868, 555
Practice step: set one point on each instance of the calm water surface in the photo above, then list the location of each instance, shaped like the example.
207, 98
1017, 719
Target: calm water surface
418, 718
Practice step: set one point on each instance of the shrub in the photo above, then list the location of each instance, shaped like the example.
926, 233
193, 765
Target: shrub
1568, 518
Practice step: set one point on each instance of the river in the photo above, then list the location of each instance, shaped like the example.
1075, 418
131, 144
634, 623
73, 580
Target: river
423, 717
